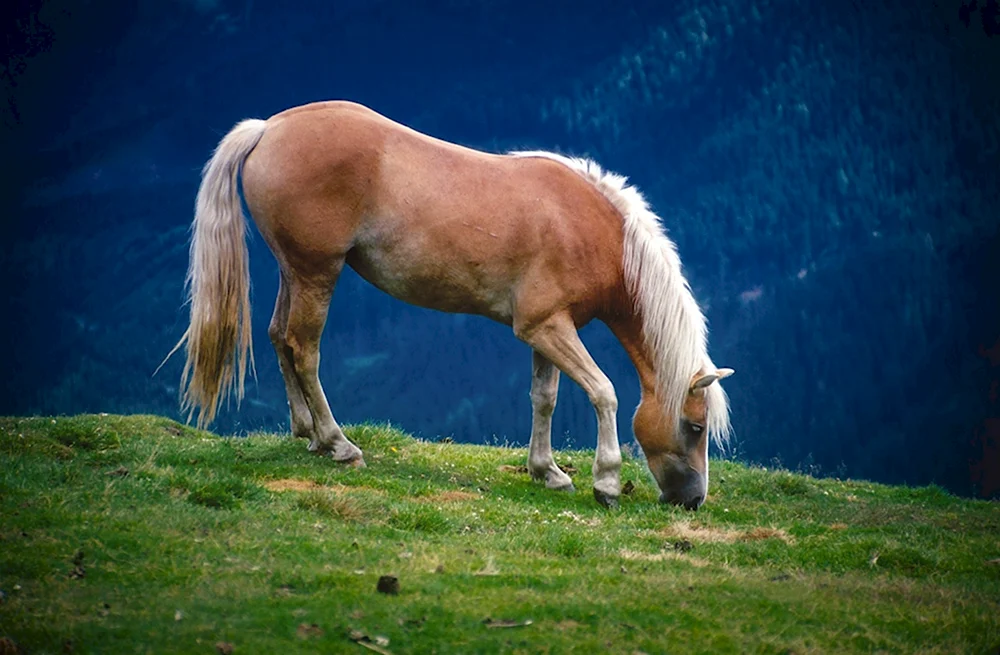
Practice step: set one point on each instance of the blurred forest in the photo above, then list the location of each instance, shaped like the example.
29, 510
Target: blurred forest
829, 171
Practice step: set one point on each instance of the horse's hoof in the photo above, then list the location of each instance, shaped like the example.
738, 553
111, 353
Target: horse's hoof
605, 499
568, 488
354, 459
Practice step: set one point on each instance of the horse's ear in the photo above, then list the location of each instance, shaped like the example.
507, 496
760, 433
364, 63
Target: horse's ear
702, 380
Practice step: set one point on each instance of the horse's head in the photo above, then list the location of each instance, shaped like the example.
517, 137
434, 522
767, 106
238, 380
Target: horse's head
677, 450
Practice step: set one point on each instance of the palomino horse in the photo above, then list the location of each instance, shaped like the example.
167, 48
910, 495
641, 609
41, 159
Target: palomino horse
534, 240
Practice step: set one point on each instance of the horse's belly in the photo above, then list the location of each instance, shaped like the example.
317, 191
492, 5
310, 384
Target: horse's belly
440, 283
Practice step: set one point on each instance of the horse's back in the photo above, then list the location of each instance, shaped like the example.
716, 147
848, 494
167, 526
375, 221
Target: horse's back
430, 222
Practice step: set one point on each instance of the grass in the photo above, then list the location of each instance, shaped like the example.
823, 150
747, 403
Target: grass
137, 534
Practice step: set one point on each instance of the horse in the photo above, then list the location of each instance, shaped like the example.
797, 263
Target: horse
538, 241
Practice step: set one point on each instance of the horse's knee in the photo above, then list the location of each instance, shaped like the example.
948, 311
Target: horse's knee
604, 398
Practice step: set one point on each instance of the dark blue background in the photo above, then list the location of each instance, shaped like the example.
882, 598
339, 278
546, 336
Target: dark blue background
828, 170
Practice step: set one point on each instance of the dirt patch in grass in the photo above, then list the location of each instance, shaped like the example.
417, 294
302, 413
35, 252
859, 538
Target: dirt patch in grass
290, 484
761, 533
293, 484
697, 533
451, 496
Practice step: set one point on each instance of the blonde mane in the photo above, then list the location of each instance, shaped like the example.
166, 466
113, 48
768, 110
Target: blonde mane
673, 325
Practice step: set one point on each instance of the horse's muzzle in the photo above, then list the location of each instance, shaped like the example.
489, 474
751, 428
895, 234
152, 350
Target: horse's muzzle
682, 485
692, 503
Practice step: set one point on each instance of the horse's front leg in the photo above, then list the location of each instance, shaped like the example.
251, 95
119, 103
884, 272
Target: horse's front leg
544, 389
556, 339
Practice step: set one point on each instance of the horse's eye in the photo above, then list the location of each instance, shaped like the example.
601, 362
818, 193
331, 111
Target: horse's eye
697, 428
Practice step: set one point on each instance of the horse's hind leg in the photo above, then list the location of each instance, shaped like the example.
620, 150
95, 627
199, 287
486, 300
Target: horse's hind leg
308, 305
555, 337
301, 419
544, 389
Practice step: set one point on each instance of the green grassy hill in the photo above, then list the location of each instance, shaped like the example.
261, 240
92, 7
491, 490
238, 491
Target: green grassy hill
137, 534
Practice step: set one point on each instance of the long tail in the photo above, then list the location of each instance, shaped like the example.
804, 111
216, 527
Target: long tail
218, 337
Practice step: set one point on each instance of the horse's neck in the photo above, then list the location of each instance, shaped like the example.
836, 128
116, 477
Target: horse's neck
628, 330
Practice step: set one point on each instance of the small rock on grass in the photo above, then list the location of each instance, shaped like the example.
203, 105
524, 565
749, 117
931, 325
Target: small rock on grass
307, 630
377, 643
79, 571
224, 648
412, 623
388, 584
